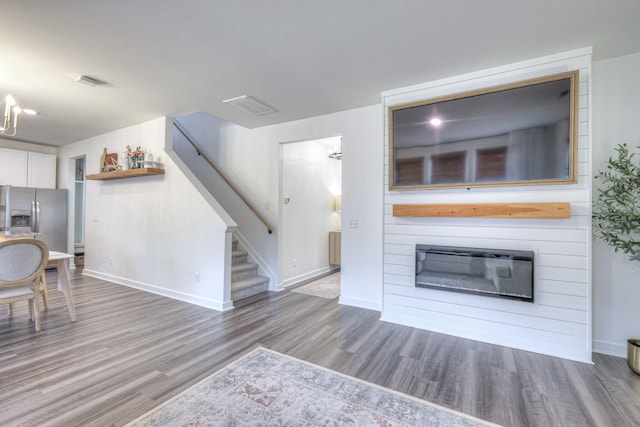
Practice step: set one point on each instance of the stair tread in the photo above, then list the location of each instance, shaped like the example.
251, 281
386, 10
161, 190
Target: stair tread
249, 286
248, 282
243, 267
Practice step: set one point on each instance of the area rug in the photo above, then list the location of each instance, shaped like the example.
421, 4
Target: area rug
325, 287
265, 388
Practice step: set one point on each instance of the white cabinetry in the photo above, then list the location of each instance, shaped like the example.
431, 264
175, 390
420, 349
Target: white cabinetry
27, 169
13, 167
41, 170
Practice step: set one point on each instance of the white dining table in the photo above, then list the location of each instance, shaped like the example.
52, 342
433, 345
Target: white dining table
61, 260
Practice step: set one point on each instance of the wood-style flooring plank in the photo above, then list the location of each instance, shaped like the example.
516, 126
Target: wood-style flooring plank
129, 351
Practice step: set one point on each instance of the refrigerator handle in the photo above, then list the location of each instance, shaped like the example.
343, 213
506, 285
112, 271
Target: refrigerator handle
37, 224
33, 216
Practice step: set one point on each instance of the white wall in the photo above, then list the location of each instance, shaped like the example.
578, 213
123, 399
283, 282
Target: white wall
252, 158
231, 147
616, 283
252, 233
361, 131
559, 321
153, 232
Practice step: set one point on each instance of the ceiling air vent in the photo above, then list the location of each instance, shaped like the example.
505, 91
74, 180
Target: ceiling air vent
250, 105
88, 80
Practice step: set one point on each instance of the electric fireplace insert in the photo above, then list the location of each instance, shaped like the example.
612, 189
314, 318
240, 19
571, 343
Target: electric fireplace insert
490, 272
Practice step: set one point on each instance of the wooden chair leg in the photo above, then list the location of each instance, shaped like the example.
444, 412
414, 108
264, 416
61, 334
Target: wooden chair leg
30, 302
45, 294
10, 309
36, 302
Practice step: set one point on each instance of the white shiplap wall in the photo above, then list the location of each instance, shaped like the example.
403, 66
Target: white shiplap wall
559, 321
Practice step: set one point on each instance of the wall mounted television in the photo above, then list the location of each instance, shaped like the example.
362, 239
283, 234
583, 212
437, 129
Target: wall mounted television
522, 133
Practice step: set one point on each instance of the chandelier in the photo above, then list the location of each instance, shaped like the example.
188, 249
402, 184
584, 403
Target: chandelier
11, 113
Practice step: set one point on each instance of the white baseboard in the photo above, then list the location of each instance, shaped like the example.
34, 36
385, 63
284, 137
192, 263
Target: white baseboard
169, 293
304, 277
360, 303
610, 348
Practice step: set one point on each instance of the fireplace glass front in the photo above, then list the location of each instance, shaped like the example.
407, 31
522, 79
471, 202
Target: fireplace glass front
491, 272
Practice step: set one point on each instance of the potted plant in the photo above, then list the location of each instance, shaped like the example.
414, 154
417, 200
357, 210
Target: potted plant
616, 217
135, 157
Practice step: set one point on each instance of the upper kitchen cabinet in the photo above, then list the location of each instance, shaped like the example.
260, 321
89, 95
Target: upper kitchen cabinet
13, 167
27, 169
41, 170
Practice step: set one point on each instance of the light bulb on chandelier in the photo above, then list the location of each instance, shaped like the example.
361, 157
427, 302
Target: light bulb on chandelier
11, 113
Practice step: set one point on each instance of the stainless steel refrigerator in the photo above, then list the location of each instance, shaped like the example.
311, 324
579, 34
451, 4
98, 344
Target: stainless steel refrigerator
35, 211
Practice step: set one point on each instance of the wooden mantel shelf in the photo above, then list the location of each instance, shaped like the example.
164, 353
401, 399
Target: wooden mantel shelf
486, 210
126, 174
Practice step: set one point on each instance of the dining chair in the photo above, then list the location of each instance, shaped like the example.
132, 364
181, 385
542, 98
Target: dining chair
22, 262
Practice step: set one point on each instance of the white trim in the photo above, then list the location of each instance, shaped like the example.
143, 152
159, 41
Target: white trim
360, 303
304, 277
589, 183
169, 293
609, 348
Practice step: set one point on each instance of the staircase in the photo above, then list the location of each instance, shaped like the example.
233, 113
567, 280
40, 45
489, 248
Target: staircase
245, 281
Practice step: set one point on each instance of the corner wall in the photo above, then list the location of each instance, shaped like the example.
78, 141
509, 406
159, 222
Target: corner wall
616, 283
251, 158
361, 131
207, 132
558, 323
140, 231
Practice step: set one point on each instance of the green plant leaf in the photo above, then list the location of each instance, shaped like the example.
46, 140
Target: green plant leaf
616, 208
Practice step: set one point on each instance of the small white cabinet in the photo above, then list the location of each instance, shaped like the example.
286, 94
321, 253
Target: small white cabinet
41, 170
26, 169
13, 167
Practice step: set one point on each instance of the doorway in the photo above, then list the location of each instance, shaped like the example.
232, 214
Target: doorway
311, 190
79, 210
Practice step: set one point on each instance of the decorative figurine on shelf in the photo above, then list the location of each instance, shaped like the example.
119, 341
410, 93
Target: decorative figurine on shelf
103, 159
108, 161
134, 157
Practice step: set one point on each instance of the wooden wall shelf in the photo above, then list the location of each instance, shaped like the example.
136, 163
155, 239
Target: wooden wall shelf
486, 210
126, 174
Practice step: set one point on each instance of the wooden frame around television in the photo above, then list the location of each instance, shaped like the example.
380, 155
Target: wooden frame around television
532, 116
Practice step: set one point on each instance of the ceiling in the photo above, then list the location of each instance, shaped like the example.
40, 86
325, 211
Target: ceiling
304, 58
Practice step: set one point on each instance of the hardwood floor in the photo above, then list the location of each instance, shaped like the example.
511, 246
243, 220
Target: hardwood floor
131, 350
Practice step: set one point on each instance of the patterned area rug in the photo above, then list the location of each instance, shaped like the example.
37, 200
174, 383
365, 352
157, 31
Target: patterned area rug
325, 287
265, 388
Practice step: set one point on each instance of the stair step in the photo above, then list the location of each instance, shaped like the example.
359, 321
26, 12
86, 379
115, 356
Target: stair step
238, 257
243, 271
248, 287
